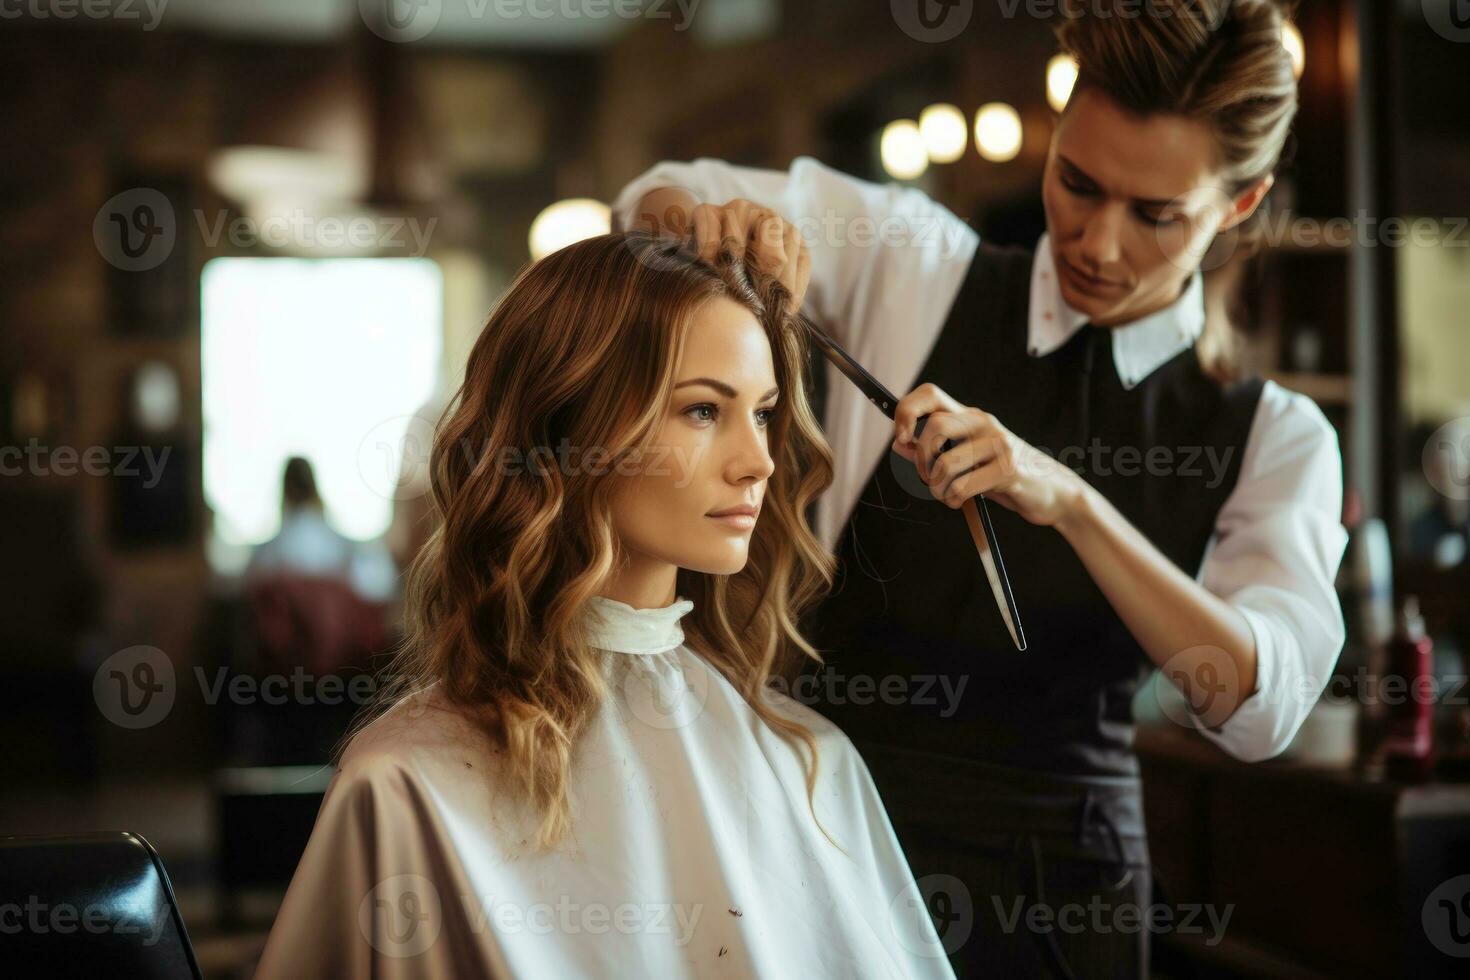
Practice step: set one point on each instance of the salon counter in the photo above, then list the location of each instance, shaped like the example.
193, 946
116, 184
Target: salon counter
1328, 870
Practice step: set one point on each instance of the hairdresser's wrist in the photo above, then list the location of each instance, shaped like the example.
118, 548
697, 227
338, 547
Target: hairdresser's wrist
1080, 510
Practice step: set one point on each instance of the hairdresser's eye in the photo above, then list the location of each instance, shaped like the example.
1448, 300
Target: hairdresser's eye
1158, 220
1077, 187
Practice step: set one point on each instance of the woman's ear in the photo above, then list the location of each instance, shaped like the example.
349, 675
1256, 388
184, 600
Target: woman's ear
1245, 203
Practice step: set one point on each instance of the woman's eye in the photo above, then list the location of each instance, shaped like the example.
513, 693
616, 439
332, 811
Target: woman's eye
1076, 188
764, 414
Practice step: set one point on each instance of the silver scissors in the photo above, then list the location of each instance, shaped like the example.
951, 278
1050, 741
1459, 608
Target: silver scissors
981, 530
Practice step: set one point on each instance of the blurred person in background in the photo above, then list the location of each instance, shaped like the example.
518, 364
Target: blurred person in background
308, 545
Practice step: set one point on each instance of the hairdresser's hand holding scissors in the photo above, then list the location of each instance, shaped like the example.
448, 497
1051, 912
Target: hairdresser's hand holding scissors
773, 244
1164, 608
987, 459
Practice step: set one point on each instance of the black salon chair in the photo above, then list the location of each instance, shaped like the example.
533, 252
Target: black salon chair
89, 905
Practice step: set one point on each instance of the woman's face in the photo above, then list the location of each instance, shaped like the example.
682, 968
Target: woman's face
712, 451
1132, 203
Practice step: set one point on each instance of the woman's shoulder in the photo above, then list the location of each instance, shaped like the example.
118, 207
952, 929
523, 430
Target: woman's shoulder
829, 737
838, 756
418, 735
428, 766
778, 698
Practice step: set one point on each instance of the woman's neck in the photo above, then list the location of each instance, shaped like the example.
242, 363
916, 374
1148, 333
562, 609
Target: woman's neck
643, 583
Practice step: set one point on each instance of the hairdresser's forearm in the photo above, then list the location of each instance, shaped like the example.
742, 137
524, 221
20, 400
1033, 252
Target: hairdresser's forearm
1176, 620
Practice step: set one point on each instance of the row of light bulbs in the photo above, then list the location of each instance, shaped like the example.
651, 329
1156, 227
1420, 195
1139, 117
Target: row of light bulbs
906, 147
941, 135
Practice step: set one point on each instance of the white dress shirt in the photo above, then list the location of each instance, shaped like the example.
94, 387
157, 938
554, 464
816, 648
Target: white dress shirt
692, 851
887, 264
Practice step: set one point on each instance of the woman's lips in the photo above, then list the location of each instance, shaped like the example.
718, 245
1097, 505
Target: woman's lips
743, 522
1086, 283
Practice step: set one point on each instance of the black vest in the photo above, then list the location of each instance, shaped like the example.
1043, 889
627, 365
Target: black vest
911, 616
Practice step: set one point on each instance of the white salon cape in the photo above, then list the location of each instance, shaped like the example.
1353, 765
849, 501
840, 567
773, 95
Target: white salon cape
692, 851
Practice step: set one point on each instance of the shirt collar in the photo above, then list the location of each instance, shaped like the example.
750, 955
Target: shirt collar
1139, 348
619, 628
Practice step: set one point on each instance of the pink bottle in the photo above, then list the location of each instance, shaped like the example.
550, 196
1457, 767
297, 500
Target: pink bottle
1409, 743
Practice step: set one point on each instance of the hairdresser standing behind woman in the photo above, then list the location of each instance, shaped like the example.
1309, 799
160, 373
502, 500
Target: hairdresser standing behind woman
1158, 511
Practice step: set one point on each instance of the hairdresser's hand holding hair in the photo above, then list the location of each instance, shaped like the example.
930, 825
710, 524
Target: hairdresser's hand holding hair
742, 230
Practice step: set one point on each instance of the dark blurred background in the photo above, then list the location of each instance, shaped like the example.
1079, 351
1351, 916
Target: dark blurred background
247, 245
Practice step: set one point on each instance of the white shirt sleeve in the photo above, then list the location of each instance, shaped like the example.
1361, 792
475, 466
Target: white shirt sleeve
881, 253
1277, 546
887, 263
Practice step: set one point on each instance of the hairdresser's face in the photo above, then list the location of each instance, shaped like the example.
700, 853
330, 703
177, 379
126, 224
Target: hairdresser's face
1132, 203
714, 447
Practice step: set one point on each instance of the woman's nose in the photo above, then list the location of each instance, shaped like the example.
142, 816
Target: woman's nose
751, 456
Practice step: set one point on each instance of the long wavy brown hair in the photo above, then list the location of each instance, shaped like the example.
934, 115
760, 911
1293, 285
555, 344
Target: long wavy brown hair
583, 348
